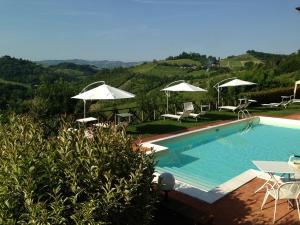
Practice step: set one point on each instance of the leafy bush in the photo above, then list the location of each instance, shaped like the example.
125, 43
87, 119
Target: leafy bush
70, 179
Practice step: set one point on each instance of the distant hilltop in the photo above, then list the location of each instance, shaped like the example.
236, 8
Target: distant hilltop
101, 64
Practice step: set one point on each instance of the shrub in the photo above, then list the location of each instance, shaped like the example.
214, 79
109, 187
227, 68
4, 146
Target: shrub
70, 179
268, 96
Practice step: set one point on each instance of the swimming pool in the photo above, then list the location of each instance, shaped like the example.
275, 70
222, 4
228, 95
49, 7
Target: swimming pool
206, 159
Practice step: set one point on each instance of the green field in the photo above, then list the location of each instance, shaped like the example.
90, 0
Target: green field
239, 61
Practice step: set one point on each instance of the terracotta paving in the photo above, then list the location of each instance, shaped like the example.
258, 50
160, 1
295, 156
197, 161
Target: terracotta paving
241, 206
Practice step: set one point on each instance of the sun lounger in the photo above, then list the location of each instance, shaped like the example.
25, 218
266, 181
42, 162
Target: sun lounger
230, 108
177, 117
188, 106
241, 106
194, 115
295, 100
272, 105
285, 101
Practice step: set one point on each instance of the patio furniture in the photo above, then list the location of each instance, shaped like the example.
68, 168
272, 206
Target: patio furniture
86, 121
272, 168
181, 86
230, 108
177, 117
285, 101
123, 115
286, 191
240, 107
232, 83
103, 124
102, 92
188, 106
193, 115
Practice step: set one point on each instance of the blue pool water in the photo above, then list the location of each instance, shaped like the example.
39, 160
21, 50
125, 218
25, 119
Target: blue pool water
208, 159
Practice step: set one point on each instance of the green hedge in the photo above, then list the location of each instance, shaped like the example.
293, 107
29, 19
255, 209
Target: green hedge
70, 179
268, 96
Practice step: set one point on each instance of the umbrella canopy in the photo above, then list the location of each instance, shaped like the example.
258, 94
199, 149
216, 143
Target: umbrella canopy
237, 82
104, 92
183, 87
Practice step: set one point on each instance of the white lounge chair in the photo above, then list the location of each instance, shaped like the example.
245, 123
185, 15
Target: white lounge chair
230, 108
241, 106
272, 105
194, 115
188, 106
177, 117
288, 191
285, 101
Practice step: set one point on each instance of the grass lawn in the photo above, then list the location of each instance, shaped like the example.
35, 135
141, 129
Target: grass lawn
167, 126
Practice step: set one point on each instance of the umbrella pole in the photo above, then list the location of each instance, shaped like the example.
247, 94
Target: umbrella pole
84, 108
167, 102
218, 96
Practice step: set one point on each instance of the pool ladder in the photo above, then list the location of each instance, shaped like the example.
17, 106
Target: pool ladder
243, 113
248, 128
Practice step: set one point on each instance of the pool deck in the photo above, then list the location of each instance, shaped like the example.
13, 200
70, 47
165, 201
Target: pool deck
241, 206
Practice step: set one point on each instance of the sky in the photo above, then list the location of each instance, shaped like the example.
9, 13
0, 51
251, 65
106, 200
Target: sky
139, 30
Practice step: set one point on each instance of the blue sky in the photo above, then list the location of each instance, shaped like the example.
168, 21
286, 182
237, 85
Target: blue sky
136, 30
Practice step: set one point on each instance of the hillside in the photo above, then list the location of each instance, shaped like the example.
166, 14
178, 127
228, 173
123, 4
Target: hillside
30, 87
100, 64
239, 61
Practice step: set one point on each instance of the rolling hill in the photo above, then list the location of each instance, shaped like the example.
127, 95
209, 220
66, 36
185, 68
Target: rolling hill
100, 64
61, 81
239, 61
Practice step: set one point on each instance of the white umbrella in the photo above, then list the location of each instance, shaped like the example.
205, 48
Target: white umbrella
183, 86
236, 82
102, 92
232, 83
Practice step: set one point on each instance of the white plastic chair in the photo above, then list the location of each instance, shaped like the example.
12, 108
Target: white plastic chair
188, 106
288, 191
